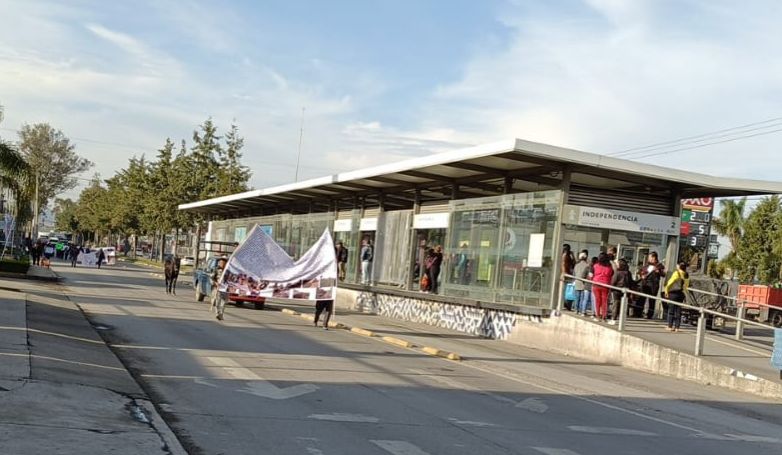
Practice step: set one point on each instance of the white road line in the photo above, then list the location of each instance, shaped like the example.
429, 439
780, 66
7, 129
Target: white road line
554, 451
258, 386
399, 447
533, 404
471, 423
340, 417
733, 345
610, 430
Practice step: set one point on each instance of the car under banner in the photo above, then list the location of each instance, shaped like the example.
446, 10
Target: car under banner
260, 268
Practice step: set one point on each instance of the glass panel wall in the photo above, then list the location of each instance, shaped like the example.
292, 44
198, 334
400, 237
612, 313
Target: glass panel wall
501, 248
394, 252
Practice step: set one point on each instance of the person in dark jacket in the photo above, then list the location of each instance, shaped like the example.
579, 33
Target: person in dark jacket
435, 262
342, 260
651, 275
101, 257
622, 279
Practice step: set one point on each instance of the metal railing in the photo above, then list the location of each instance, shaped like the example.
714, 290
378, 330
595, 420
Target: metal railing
700, 335
741, 309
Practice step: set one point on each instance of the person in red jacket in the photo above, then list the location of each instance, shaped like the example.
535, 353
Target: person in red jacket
604, 272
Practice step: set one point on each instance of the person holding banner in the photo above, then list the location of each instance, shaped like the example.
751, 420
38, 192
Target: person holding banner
320, 307
218, 297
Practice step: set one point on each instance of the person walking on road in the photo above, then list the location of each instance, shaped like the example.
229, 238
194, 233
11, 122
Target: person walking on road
320, 307
218, 298
101, 257
366, 261
603, 275
73, 253
675, 289
342, 260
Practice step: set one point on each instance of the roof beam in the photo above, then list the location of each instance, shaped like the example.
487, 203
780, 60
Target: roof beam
476, 168
427, 175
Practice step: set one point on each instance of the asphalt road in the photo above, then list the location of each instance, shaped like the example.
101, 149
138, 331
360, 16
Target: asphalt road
264, 382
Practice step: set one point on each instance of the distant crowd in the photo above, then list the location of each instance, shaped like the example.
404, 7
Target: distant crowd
42, 251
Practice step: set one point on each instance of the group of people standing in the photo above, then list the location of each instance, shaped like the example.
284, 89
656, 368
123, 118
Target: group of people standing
433, 262
366, 254
608, 269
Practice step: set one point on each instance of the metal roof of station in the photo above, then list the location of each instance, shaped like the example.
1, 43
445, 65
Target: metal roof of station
485, 170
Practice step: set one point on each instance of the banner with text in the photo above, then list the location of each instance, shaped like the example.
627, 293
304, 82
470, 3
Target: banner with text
621, 220
259, 267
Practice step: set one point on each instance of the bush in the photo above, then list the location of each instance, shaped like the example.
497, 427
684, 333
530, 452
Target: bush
15, 265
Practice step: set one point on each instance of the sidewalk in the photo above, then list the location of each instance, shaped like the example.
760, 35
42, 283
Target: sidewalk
750, 357
62, 390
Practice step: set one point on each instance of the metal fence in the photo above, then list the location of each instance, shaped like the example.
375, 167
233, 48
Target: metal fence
700, 337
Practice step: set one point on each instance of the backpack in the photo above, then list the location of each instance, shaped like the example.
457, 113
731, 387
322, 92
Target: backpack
367, 254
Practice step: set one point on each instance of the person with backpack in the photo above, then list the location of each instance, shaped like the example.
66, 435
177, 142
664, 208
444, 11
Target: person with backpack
675, 289
622, 279
366, 261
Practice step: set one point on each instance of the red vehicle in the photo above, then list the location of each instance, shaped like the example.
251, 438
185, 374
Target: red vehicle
762, 302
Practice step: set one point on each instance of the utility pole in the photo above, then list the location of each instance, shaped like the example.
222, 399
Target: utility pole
301, 136
37, 209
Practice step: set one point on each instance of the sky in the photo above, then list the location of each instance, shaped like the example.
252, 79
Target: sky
383, 80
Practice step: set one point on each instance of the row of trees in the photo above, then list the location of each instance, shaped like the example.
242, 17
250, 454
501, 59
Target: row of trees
755, 240
142, 198
43, 163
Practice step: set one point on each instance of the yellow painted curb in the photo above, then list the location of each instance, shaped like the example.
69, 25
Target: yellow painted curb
364, 332
398, 342
337, 325
441, 353
306, 316
289, 311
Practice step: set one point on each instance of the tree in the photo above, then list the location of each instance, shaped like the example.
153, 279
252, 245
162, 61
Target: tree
65, 216
52, 160
234, 176
15, 175
730, 224
757, 253
206, 156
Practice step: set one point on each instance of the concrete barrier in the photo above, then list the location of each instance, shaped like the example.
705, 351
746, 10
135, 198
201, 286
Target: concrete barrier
587, 340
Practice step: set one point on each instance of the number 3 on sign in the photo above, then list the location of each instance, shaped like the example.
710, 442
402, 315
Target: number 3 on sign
693, 241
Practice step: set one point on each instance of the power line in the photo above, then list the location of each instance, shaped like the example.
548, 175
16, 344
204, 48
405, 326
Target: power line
707, 144
700, 137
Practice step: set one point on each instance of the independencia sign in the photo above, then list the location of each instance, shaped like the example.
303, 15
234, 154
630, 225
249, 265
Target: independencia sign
621, 220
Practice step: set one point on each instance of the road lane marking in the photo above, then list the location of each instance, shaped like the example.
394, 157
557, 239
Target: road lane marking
533, 405
399, 447
256, 385
610, 430
554, 451
462, 386
341, 417
471, 423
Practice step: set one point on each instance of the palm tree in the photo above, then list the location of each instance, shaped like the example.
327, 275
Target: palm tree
731, 221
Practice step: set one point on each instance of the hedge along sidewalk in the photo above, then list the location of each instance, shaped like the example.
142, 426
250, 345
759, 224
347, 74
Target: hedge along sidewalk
423, 338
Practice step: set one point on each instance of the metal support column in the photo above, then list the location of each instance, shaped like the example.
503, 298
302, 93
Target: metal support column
413, 240
742, 312
557, 283
623, 311
700, 334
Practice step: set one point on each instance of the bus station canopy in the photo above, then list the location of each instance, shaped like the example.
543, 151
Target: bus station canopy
487, 170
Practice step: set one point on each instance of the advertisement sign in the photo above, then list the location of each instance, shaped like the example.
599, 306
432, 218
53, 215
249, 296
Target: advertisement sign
714, 250
368, 224
776, 357
259, 267
621, 220
704, 204
343, 225
536, 243
431, 220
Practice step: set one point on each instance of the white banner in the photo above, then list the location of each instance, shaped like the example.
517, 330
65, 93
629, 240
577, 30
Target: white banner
259, 267
621, 220
88, 259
